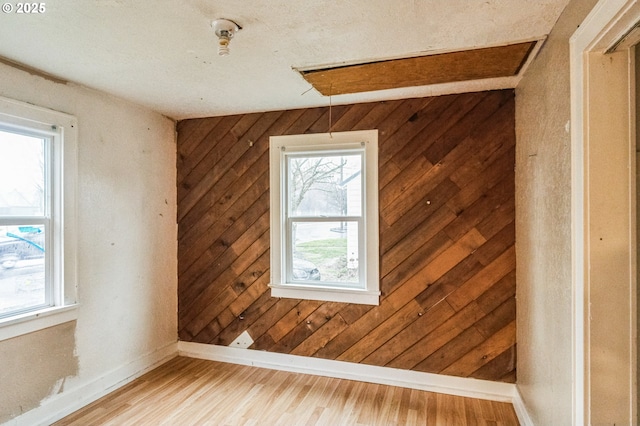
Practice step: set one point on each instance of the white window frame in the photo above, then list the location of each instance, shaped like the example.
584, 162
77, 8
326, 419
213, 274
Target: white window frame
61, 165
365, 141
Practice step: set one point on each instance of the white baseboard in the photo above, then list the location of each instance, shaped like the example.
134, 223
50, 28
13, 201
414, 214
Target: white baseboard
474, 388
521, 410
56, 407
61, 405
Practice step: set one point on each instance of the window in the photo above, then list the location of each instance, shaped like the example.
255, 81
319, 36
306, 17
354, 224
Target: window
37, 251
324, 217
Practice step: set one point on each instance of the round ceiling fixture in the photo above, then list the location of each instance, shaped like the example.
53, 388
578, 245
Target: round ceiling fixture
225, 30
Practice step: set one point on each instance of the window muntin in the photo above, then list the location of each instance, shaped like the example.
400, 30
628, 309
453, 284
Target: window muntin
324, 219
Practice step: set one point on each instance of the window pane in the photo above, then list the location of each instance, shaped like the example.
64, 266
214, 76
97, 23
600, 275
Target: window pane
329, 185
22, 183
326, 252
22, 270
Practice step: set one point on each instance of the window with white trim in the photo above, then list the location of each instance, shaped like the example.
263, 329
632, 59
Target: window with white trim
37, 251
324, 217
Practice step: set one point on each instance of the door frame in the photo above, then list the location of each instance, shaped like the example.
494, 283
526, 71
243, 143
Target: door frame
603, 216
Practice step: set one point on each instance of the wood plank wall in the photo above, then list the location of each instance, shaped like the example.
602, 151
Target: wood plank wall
447, 237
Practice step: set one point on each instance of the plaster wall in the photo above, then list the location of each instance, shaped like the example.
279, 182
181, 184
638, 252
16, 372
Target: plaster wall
127, 263
543, 225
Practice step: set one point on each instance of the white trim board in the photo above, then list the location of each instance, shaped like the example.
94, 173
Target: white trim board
61, 405
56, 407
521, 410
592, 82
450, 385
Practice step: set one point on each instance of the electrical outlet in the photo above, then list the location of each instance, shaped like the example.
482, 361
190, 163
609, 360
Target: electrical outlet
243, 341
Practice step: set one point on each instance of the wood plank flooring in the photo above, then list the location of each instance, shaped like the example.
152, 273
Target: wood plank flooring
187, 391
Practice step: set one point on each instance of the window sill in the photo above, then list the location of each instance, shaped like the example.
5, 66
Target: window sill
360, 297
37, 320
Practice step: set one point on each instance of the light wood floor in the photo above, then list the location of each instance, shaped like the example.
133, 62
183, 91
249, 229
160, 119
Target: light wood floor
188, 391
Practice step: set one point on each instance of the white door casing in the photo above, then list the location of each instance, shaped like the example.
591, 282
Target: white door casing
603, 216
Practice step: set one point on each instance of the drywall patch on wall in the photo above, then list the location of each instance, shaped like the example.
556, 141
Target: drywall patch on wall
45, 359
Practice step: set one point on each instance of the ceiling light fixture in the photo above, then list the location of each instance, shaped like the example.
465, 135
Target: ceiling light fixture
225, 30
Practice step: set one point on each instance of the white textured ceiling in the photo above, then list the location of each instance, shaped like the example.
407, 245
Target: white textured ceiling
163, 53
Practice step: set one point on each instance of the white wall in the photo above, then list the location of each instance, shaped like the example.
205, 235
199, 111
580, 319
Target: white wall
543, 226
127, 262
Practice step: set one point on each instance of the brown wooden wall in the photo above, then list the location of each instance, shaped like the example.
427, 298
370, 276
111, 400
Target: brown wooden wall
447, 237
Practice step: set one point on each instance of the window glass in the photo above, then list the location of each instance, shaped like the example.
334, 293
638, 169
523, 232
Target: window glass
325, 185
22, 268
23, 222
22, 175
326, 252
